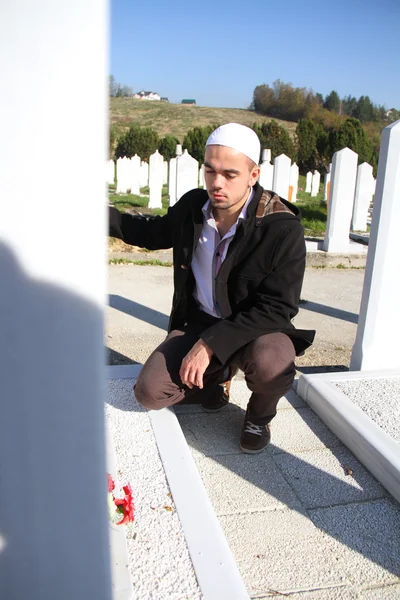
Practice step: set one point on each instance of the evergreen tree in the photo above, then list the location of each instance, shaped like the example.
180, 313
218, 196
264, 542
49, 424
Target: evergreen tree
274, 136
142, 141
351, 134
195, 141
332, 102
168, 147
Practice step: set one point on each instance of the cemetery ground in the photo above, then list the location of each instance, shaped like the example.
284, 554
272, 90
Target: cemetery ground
304, 519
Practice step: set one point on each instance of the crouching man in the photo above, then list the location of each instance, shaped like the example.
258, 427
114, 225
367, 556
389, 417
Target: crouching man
239, 259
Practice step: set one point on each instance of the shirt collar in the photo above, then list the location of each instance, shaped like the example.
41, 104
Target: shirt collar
207, 208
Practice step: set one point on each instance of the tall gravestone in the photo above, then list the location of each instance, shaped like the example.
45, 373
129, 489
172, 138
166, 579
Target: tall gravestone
156, 175
378, 331
266, 156
327, 186
362, 197
281, 181
201, 177
172, 181
293, 183
308, 182
165, 175
134, 173
53, 507
187, 174
315, 183
124, 178
343, 183
144, 174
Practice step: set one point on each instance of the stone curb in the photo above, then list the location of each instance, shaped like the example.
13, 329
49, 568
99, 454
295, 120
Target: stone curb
215, 568
369, 443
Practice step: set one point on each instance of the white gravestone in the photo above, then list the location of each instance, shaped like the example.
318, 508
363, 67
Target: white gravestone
144, 174
377, 340
187, 174
315, 182
362, 197
53, 509
172, 181
165, 177
343, 183
201, 177
123, 175
327, 186
156, 175
308, 182
178, 150
134, 172
293, 183
266, 155
266, 175
110, 173
281, 181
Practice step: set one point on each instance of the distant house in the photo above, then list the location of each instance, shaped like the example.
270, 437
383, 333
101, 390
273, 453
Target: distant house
147, 96
164, 99
189, 101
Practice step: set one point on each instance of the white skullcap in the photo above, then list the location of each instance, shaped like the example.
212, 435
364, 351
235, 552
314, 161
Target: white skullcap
239, 137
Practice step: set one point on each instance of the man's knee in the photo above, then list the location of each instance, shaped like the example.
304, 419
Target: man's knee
272, 357
147, 393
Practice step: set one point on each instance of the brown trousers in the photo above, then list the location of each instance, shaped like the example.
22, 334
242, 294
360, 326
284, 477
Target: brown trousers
267, 363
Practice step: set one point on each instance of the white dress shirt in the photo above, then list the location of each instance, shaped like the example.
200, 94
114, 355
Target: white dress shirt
210, 253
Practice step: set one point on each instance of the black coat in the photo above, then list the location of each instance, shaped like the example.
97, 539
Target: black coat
258, 285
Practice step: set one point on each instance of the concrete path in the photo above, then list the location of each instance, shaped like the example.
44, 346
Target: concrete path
304, 519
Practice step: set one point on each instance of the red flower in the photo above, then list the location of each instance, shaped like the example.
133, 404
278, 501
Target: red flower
111, 484
125, 506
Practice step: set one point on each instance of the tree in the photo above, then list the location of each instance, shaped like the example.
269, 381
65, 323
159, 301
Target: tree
143, 141
195, 141
112, 142
274, 136
351, 134
307, 133
168, 146
332, 102
364, 110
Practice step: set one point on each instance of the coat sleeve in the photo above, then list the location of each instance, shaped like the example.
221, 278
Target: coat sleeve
273, 305
152, 232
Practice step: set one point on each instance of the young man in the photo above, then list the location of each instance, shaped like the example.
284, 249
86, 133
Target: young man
239, 260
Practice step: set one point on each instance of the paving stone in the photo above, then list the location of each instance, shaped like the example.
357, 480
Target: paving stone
322, 477
281, 550
366, 537
243, 483
300, 430
391, 592
212, 434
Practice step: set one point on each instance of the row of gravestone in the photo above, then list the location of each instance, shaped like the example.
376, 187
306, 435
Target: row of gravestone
182, 174
348, 188
364, 190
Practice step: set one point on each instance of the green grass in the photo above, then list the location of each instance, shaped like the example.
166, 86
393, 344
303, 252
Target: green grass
127, 202
314, 211
143, 263
177, 119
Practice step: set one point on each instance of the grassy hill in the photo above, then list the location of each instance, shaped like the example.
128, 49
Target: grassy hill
177, 119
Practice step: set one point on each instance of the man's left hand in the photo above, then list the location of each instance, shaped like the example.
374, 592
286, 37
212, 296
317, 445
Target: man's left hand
194, 364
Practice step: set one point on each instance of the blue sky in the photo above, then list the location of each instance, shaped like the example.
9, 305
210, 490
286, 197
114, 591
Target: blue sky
218, 52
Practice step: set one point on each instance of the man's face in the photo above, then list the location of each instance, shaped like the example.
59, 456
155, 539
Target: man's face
229, 175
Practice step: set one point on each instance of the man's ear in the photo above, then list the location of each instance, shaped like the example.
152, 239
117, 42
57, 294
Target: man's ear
254, 175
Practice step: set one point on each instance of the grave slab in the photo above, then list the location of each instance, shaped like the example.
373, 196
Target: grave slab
374, 447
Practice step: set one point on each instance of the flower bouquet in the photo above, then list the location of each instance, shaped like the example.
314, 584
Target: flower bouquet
121, 510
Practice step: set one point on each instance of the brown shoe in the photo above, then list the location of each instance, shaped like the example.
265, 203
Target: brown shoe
255, 436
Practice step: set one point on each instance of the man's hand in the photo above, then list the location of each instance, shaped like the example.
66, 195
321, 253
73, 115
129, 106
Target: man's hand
194, 365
